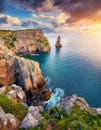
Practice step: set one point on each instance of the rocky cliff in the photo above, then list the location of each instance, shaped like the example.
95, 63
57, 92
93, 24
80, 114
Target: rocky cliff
25, 41
14, 69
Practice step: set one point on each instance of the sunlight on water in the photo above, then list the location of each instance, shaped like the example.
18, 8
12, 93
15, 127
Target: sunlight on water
73, 69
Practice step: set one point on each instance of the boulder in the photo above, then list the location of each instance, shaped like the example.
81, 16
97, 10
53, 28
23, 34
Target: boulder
3, 90
98, 110
15, 92
12, 94
8, 121
20, 94
35, 111
28, 122
32, 119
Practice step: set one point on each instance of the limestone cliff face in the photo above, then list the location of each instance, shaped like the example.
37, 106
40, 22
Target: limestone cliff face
7, 72
30, 75
25, 41
14, 68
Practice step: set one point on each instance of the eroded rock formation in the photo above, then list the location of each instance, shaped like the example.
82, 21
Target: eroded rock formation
58, 42
7, 71
30, 75
14, 92
33, 118
14, 68
8, 121
25, 41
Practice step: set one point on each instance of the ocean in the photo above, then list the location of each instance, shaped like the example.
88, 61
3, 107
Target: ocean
73, 69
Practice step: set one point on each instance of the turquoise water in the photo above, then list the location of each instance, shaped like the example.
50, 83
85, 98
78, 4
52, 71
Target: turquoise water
73, 69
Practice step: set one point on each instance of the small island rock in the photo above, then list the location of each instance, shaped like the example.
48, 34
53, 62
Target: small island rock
58, 42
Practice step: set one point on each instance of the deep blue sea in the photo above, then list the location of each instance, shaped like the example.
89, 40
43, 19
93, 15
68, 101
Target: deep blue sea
73, 69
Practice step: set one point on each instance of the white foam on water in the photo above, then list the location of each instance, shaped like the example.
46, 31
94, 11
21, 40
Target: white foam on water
48, 80
55, 97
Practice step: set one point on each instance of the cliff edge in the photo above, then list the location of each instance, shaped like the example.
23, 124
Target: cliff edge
25, 41
21, 71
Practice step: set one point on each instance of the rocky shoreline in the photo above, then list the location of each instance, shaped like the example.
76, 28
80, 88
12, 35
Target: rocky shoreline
21, 81
33, 116
15, 69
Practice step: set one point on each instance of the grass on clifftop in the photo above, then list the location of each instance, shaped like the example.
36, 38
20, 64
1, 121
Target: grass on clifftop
77, 120
43, 41
13, 107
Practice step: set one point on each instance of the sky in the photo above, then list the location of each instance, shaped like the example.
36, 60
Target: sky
52, 16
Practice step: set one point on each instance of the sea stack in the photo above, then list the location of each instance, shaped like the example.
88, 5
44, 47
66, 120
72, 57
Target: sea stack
58, 42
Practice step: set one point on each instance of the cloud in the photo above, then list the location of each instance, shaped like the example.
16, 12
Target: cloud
76, 9
1, 5
6, 21
38, 5
29, 23
80, 9
27, 4
43, 16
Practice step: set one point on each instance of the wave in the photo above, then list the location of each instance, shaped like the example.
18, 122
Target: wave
55, 97
48, 80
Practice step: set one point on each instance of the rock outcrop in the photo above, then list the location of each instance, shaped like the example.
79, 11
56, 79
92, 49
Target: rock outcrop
14, 69
58, 42
45, 95
33, 118
30, 75
8, 121
25, 41
14, 92
7, 72
68, 102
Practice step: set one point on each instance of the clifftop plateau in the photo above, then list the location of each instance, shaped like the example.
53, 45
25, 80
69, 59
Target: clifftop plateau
26, 41
14, 69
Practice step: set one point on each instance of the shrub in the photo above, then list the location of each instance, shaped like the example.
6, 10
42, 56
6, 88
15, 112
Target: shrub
8, 88
43, 41
77, 120
13, 107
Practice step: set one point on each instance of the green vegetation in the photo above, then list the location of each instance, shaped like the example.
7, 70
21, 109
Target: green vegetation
9, 45
6, 33
1, 55
43, 41
13, 107
77, 120
8, 88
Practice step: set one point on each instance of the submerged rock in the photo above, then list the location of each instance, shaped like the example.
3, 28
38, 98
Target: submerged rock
58, 42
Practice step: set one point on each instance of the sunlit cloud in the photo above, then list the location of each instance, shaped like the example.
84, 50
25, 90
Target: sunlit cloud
6, 21
56, 15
